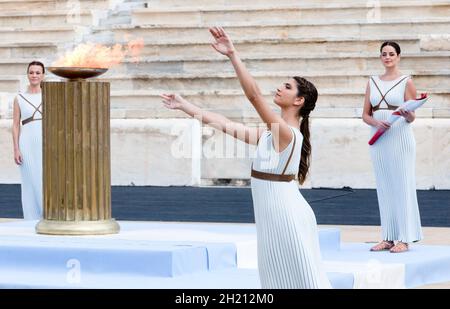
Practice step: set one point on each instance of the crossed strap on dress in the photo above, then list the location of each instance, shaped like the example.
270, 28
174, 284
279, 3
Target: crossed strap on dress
383, 96
277, 177
36, 110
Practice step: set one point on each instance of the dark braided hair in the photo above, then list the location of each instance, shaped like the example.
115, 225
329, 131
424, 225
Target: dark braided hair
308, 91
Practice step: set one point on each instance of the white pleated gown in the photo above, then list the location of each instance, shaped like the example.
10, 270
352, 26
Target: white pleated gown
287, 236
394, 159
30, 144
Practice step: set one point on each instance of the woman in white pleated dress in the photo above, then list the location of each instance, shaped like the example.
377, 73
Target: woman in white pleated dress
287, 235
27, 138
394, 154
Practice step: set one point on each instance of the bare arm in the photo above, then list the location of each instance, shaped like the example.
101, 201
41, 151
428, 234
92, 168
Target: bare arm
237, 130
281, 132
410, 94
16, 132
367, 115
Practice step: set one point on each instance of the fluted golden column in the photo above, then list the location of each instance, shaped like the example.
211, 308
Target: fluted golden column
76, 159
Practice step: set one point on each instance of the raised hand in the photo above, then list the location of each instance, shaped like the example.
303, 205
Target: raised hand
173, 101
222, 42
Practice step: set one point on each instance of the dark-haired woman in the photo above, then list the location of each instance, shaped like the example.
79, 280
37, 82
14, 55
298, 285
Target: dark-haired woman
394, 154
288, 244
27, 138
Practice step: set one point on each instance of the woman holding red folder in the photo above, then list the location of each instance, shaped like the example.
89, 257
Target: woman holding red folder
394, 154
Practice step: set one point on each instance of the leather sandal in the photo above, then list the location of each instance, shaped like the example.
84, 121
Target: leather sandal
383, 245
399, 247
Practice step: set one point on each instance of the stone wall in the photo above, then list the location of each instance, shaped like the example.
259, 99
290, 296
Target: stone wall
332, 43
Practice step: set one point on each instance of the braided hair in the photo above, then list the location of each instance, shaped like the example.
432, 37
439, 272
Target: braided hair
308, 91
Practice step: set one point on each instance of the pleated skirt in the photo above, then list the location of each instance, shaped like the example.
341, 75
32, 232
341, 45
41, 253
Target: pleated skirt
30, 144
394, 159
287, 237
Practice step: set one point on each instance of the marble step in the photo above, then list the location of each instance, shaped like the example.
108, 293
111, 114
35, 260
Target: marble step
268, 63
332, 103
41, 18
56, 34
213, 62
27, 5
349, 79
244, 3
27, 50
227, 15
287, 47
281, 30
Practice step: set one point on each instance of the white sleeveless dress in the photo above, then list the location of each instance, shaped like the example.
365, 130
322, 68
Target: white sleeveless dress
394, 160
287, 236
30, 144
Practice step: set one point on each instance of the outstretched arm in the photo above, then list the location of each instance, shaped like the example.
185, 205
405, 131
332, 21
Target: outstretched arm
235, 129
282, 134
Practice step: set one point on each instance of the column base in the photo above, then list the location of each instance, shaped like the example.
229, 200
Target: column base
54, 227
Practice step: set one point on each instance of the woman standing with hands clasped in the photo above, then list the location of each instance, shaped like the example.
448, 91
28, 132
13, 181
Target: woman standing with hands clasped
288, 244
27, 139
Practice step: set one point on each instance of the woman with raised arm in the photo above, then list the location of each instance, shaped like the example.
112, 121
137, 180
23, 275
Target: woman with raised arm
394, 154
27, 139
288, 243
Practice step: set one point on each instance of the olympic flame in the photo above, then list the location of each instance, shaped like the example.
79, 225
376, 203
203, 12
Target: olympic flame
90, 55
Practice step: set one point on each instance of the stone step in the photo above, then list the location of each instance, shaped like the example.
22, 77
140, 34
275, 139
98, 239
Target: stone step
236, 107
281, 31
122, 13
290, 47
424, 80
41, 34
325, 3
218, 81
17, 67
228, 15
236, 100
331, 103
268, 63
296, 46
208, 3
27, 50
43, 18
9, 84
251, 116
27, 5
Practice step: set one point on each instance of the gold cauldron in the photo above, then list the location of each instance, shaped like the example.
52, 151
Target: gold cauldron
76, 154
77, 73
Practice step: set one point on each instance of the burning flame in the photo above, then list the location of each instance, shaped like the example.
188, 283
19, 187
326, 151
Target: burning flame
92, 55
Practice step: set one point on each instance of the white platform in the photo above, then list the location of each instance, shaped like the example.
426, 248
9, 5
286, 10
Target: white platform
193, 255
